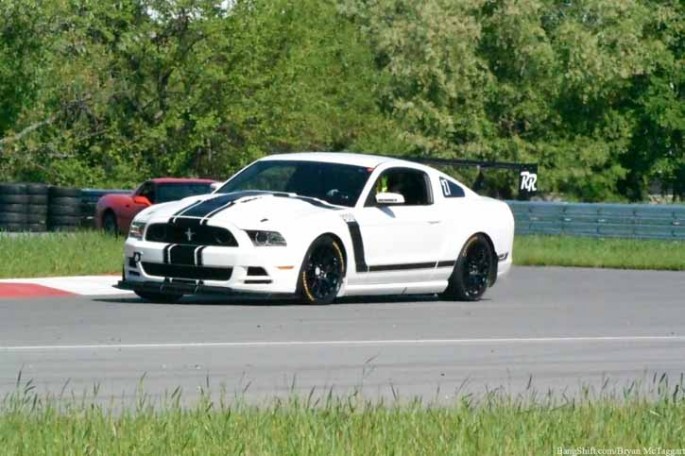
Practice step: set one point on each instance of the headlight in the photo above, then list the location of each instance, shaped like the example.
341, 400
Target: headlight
266, 238
136, 230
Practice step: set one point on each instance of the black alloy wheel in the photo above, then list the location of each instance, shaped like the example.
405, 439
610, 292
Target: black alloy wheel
471, 274
322, 272
109, 223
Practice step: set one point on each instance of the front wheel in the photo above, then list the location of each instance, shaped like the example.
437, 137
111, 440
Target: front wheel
160, 298
472, 271
322, 272
109, 224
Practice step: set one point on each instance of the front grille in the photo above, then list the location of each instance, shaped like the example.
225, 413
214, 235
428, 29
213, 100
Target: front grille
177, 271
186, 234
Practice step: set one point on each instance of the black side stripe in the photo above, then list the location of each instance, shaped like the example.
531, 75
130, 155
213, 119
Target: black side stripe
360, 259
358, 247
401, 267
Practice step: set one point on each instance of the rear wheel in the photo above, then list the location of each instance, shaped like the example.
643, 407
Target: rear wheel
162, 298
472, 271
322, 272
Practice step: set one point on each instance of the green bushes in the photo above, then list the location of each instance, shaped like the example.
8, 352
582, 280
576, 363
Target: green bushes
106, 94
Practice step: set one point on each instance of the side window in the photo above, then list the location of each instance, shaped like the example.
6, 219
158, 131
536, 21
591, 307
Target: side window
147, 190
413, 184
450, 189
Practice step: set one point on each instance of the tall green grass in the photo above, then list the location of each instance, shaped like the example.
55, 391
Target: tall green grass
599, 253
494, 424
60, 254
92, 252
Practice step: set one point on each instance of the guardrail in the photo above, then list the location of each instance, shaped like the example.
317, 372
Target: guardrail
646, 221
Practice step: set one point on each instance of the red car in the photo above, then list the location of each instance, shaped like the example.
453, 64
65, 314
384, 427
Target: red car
114, 212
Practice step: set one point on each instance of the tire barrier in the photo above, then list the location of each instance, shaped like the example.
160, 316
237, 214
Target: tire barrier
64, 209
13, 207
41, 207
37, 207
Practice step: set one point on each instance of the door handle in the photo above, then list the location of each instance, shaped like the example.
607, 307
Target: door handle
434, 222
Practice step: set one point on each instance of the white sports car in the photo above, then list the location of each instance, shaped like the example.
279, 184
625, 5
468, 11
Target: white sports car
322, 226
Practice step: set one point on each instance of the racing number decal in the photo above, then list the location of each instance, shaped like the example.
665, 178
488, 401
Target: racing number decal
445, 187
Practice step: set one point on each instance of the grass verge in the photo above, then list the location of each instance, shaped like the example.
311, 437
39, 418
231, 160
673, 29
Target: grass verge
345, 426
60, 254
599, 253
92, 252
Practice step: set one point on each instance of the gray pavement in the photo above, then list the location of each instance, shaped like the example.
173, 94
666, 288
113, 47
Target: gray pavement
538, 329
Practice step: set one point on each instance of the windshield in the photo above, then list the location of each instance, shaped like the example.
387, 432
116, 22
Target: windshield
176, 191
332, 182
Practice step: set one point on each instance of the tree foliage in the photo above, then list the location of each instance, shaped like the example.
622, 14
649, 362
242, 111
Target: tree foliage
109, 93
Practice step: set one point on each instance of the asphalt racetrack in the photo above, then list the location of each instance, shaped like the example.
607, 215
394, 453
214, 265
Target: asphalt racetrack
538, 329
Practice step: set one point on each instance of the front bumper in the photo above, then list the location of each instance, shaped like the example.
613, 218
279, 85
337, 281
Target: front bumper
187, 288
227, 270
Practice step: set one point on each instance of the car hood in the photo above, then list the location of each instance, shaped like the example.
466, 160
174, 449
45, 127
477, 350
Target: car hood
246, 209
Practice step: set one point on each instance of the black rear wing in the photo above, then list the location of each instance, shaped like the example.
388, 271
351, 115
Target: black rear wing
527, 172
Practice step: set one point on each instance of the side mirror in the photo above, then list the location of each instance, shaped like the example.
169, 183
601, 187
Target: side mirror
142, 200
387, 198
214, 186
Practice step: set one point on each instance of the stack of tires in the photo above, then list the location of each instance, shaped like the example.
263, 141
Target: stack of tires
37, 207
13, 207
64, 209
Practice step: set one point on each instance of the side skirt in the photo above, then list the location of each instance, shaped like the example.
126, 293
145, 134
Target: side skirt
433, 286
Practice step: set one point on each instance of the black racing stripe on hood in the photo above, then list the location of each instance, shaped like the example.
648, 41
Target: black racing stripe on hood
213, 206
206, 207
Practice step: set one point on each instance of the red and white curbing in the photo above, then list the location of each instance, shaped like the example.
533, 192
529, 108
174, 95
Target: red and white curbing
101, 285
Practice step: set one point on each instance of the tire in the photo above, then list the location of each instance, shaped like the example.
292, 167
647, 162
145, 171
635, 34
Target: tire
38, 199
471, 274
40, 209
6, 198
36, 218
12, 189
64, 201
13, 208
37, 189
55, 210
160, 298
12, 217
109, 223
322, 272
65, 192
